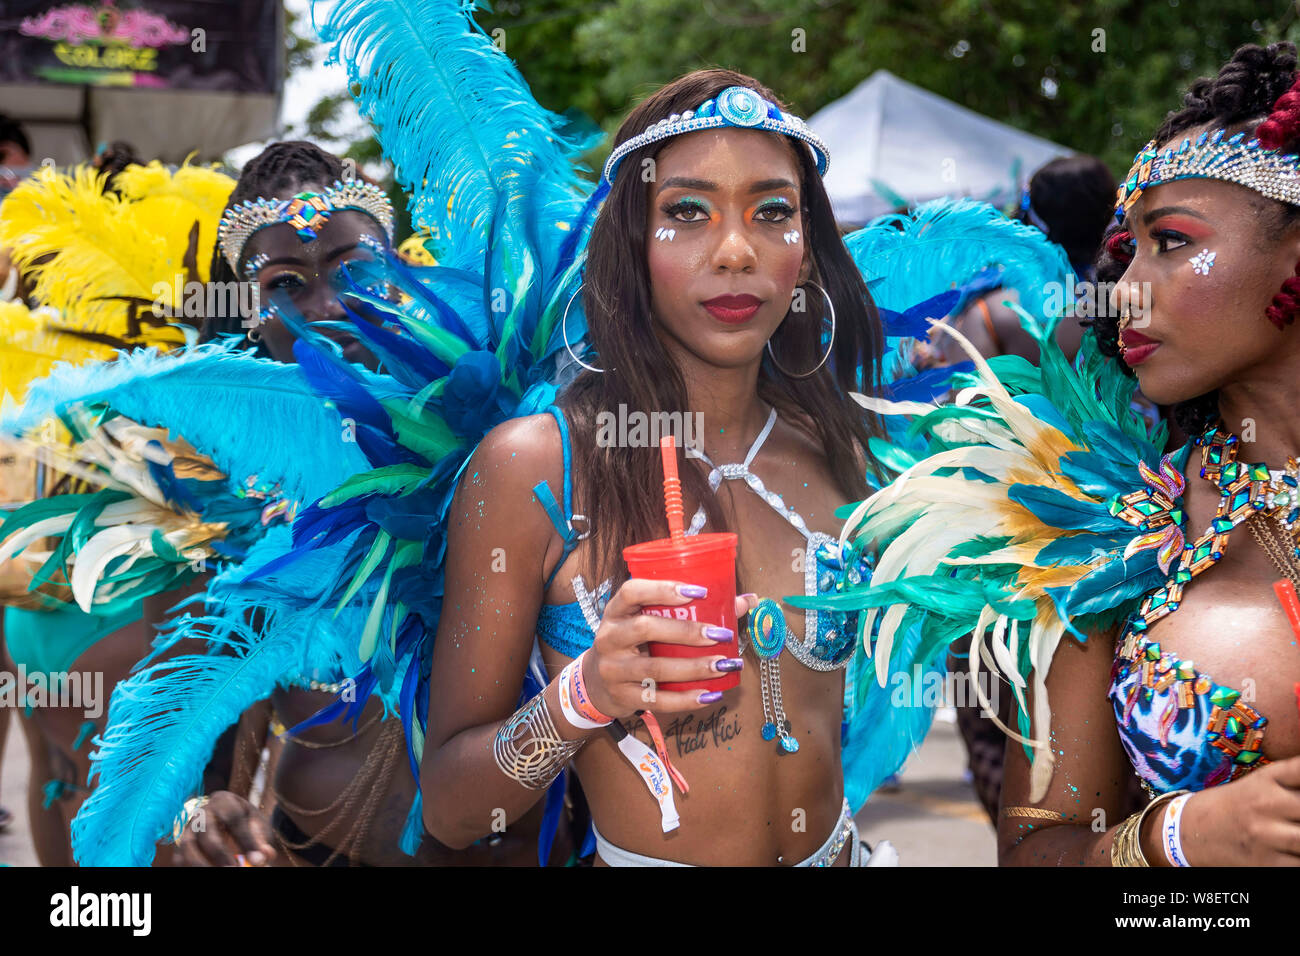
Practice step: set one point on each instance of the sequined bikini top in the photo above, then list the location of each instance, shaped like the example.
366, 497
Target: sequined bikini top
830, 637
1179, 727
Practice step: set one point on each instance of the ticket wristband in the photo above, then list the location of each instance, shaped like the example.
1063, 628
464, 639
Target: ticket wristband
657, 736
581, 697
652, 771
574, 701
1172, 831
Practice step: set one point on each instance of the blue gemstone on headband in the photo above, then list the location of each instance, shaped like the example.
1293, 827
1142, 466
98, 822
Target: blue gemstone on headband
1200, 140
1236, 137
1218, 135
1187, 144
741, 107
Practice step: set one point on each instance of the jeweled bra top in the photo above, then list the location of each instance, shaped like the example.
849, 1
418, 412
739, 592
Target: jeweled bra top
830, 637
1179, 727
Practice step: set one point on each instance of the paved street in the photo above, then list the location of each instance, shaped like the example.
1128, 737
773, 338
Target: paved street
15, 843
933, 820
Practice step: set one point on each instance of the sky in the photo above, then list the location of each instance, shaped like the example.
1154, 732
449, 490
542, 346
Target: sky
302, 90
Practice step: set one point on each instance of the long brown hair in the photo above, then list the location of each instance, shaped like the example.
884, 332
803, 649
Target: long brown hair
644, 377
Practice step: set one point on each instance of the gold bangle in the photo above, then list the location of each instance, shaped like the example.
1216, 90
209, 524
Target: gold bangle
1033, 812
1126, 847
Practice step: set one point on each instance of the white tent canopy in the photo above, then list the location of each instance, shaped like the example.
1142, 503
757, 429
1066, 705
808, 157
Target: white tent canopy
889, 140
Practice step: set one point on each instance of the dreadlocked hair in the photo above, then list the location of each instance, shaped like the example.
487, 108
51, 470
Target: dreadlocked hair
1258, 92
277, 172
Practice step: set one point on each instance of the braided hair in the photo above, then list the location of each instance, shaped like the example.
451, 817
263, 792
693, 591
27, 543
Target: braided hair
114, 158
1257, 91
281, 170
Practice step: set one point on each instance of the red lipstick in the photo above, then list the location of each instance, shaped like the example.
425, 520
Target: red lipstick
733, 309
1137, 347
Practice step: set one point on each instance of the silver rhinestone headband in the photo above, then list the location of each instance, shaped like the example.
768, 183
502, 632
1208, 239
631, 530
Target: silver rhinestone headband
306, 212
1232, 159
734, 106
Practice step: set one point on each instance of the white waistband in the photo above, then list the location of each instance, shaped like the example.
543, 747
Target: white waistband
617, 856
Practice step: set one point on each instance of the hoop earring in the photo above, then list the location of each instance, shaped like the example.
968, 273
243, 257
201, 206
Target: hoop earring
830, 307
253, 335
564, 331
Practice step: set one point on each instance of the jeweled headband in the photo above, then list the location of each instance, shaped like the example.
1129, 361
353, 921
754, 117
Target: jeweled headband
306, 212
1232, 159
734, 106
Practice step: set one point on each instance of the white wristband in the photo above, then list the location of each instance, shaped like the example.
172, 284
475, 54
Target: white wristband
656, 778
566, 699
1172, 831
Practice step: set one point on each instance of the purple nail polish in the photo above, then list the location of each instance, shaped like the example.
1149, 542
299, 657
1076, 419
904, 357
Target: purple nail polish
728, 664
692, 591
715, 633
708, 697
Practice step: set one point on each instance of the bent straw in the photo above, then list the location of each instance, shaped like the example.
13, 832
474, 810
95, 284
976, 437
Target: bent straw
672, 489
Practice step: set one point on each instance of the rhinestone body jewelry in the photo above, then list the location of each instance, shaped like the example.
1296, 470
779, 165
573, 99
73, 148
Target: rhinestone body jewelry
255, 265
791, 237
1202, 261
664, 234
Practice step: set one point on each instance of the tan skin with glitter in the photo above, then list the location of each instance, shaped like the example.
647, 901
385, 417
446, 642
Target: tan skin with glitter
1213, 335
731, 195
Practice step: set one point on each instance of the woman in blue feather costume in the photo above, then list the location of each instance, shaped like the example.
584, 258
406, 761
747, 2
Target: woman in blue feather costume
710, 244
335, 794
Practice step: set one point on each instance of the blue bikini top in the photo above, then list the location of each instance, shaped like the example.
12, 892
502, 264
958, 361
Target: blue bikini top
831, 637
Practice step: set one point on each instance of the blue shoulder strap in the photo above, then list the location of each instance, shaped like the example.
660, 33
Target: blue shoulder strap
561, 519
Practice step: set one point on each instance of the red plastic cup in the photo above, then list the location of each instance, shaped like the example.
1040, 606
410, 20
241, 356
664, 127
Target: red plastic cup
708, 560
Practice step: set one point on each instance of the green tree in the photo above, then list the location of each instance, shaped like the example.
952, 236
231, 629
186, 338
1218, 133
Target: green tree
1097, 77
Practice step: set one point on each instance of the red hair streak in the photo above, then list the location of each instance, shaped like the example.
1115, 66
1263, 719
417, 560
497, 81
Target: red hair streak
1283, 124
1117, 246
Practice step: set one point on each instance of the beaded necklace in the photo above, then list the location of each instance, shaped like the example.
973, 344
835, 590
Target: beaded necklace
1245, 490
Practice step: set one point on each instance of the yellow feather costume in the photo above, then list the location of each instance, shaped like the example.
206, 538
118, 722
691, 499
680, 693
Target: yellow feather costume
99, 262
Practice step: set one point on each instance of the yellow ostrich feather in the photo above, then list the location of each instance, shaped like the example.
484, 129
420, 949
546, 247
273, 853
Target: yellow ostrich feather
86, 250
414, 250
31, 345
191, 194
